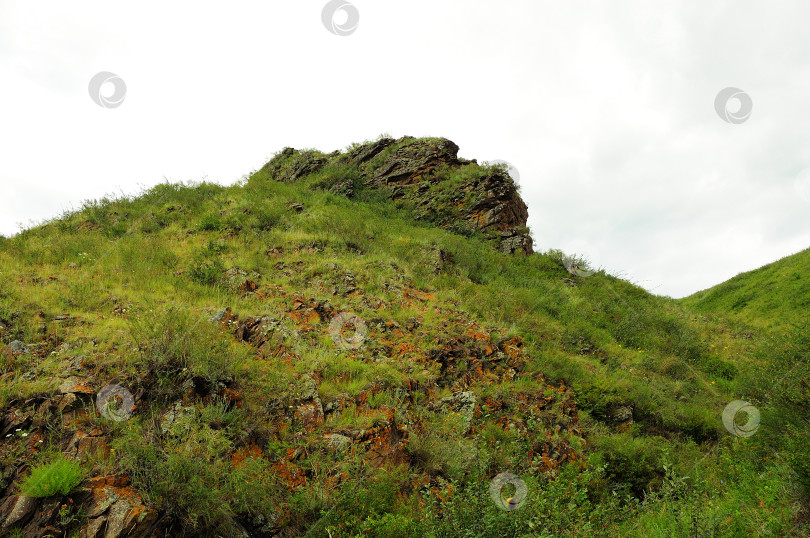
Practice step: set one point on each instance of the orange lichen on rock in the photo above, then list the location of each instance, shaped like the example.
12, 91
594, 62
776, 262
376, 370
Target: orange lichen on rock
290, 474
252, 450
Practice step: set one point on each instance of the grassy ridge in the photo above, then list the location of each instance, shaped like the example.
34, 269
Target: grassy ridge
775, 295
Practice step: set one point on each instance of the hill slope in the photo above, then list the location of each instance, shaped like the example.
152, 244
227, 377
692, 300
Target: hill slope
362, 343
774, 295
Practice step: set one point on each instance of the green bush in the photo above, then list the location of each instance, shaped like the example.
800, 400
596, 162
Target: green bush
115, 230
633, 464
265, 219
176, 339
191, 473
210, 223
58, 477
234, 223
719, 367
552, 507
368, 508
149, 225
439, 448
205, 270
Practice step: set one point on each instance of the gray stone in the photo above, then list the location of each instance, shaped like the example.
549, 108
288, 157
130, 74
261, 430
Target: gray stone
309, 388
464, 404
622, 414
178, 419
75, 385
67, 401
337, 441
23, 508
222, 314
94, 528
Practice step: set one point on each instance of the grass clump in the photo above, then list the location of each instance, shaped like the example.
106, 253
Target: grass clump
58, 477
192, 475
175, 344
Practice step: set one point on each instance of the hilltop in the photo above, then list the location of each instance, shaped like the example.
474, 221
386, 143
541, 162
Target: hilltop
427, 177
362, 342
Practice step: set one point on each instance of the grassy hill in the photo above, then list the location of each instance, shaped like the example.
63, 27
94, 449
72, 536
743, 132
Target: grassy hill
775, 295
360, 343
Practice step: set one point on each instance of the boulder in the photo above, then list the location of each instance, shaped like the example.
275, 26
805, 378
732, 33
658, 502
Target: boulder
370, 150
337, 441
223, 316
83, 446
413, 162
621, 414
17, 347
178, 419
75, 385
462, 403
115, 512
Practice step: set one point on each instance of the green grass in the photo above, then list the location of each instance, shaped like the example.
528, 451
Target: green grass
774, 296
673, 471
58, 477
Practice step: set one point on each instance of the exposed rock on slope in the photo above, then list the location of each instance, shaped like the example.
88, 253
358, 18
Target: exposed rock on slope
424, 374
465, 360
426, 175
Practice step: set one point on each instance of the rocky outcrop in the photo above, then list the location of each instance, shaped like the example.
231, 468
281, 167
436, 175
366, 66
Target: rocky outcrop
381, 423
461, 403
415, 161
427, 176
112, 507
116, 510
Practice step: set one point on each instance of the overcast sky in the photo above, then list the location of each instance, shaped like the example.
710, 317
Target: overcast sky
606, 109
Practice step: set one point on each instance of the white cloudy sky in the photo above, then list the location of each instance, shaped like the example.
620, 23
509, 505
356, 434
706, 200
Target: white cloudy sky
605, 108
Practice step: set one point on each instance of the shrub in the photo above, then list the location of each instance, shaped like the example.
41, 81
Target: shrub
368, 507
725, 369
553, 507
191, 474
58, 477
265, 219
150, 225
234, 223
632, 464
210, 223
206, 271
439, 448
176, 339
115, 230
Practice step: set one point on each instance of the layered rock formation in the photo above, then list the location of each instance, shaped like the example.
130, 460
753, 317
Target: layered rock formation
425, 175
